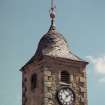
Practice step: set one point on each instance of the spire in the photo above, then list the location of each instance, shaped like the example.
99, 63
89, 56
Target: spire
52, 15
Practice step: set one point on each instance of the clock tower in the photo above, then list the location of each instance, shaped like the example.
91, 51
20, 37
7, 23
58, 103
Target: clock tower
54, 75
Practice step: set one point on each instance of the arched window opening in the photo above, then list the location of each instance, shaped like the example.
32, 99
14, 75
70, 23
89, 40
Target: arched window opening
65, 77
33, 81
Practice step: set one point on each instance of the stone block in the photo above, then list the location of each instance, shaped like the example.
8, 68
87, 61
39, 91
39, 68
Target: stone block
82, 99
77, 78
82, 79
53, 87
82, 89
47, 73
53, 83
54, 77
50, 102
48, 95
74, 85
50, 78
53, 92
71, 78
46, 78
49, 89
48, 84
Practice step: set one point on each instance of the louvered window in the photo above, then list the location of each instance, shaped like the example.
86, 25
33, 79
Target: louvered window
65, 77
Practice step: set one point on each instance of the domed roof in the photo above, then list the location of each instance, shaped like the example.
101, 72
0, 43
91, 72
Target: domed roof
54, 44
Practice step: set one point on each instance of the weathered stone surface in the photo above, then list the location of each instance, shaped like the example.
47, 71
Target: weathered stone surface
48, 95
71, 78
51, 58
82, 99
82, 79
83, 89
47, 73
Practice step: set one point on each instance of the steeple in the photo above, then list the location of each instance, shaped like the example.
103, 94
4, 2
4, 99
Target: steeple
53, 43
52, 15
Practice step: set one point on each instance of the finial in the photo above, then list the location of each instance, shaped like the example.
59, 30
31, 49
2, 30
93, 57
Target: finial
52, 13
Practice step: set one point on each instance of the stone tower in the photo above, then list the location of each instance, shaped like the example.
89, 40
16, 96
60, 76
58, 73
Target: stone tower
54, 75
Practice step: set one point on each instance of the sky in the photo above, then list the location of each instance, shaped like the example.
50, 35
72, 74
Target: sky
24, 22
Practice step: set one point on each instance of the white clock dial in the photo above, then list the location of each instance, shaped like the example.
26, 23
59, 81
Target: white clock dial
65, 96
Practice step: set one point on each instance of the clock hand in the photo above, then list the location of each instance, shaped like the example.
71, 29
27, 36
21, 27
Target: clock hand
66, 95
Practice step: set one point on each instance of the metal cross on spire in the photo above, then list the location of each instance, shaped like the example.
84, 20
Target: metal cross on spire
52, 12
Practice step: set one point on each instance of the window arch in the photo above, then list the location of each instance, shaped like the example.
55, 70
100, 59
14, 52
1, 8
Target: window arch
65, 77
33, 81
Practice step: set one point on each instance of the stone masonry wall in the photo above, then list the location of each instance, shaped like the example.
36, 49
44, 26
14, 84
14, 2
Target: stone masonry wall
49, 87
29, 96
52, 81
48, 82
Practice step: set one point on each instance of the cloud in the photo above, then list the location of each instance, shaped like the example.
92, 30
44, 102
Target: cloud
99, 67
98, 64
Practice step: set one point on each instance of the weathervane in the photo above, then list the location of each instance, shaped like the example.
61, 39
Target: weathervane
52, 12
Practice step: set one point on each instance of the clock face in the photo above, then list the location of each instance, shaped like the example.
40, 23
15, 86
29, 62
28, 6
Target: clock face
66, 96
